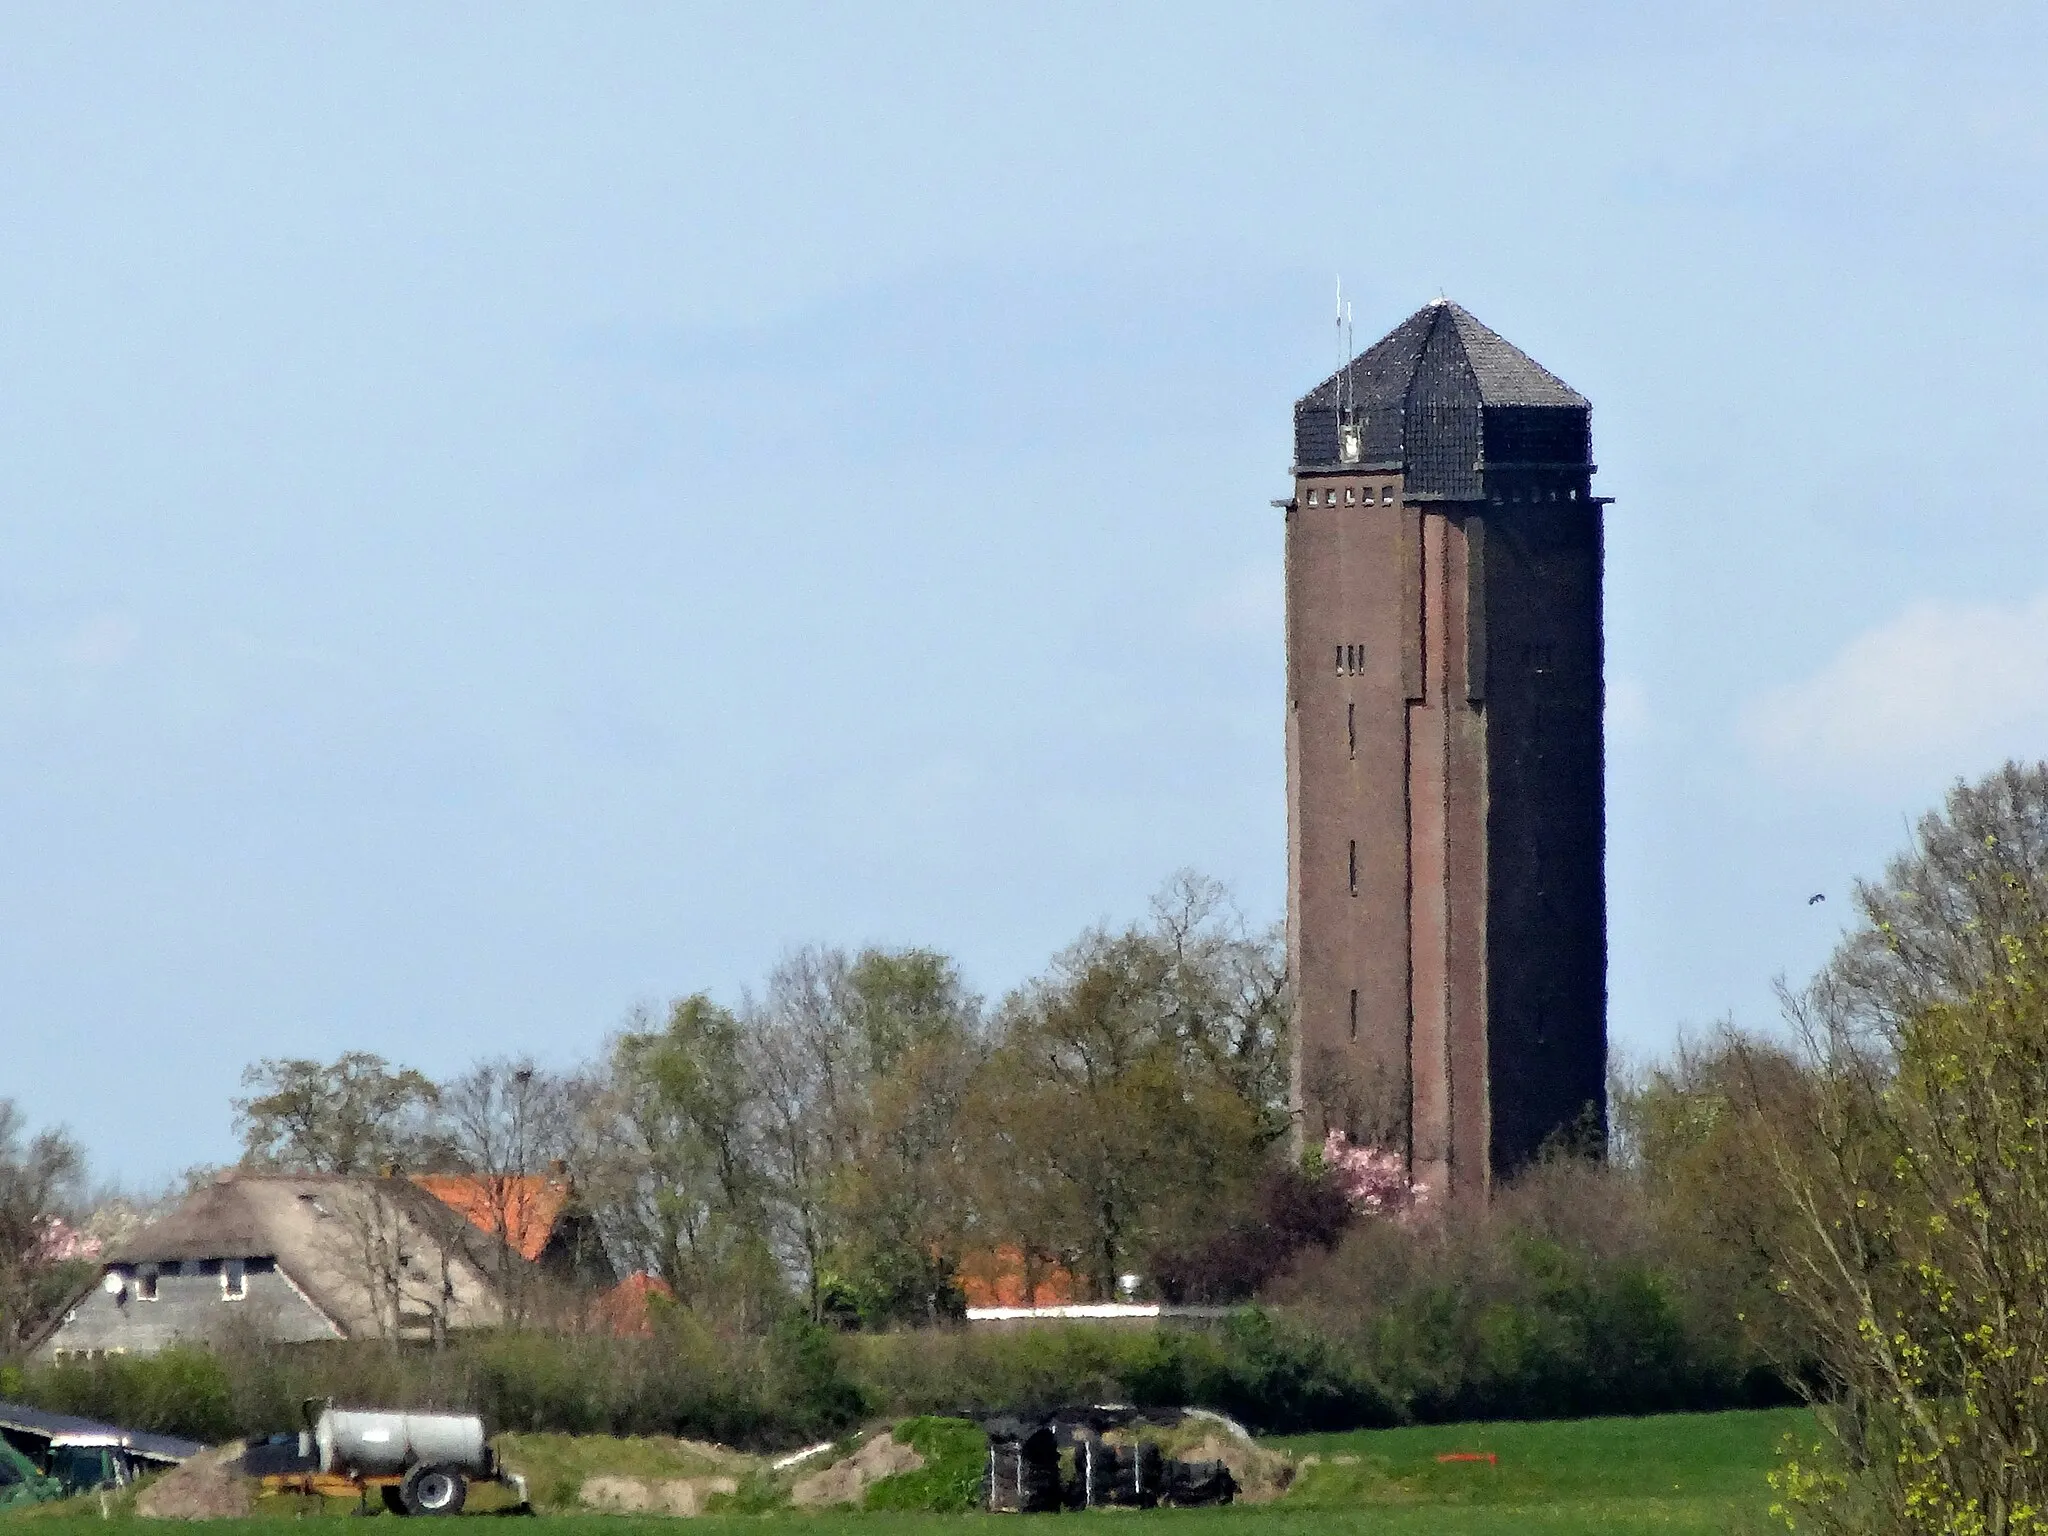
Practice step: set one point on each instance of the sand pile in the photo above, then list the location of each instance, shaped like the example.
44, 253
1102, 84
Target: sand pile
653, 1496
845, 1481
208, 1487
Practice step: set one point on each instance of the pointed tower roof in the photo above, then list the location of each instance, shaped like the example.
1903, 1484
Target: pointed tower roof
1443, 399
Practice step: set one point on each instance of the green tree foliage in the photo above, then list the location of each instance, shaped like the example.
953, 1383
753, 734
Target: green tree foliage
1566, 1295
352, 1115
1911, 1179
1685, 1147
898, 1195
685, 1190
864, 1061
1134, 1093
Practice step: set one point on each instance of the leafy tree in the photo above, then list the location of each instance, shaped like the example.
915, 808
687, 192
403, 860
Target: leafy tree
688, 1200
899, 1194
41, 1178
864, 1061
1911, 1163
1108, 1123
354, 1115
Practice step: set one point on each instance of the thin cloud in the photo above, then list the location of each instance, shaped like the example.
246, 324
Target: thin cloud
1948, 688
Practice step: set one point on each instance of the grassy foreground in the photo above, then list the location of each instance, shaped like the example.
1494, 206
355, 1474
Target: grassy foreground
1677, 1473
1673, 1472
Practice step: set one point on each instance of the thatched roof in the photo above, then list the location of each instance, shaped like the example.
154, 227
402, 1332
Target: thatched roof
314, 1227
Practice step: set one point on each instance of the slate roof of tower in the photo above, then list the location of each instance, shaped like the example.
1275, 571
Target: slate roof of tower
1443, 397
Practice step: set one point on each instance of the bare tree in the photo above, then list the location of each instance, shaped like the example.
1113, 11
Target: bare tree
1225, 989
1932, 928
408, 1272
794, 1060
515, 1129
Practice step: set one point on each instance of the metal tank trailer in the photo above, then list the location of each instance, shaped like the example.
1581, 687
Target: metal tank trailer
420, 1463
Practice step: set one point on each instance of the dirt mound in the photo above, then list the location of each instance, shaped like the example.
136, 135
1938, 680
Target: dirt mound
844, 1481
653, 1496
208, 1487
1262, 1475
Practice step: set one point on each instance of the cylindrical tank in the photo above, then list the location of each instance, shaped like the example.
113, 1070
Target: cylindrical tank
372, 1443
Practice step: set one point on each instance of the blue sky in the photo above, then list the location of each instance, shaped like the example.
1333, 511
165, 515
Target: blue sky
511, 511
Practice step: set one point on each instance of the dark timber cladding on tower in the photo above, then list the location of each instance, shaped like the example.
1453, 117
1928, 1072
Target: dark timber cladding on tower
1447, 926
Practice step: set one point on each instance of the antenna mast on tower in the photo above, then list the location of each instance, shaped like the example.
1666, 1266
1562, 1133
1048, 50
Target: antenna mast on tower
1342, 361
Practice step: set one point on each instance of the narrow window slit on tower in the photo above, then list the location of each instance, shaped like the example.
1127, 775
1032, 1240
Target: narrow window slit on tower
1354, 1015
1354, 866
1340, 661
1350, 496
1351, 729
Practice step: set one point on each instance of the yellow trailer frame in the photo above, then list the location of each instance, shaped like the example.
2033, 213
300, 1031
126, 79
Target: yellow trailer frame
346, 1485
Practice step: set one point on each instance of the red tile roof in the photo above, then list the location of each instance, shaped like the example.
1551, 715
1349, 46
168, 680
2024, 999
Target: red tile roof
520, 1208
994, 1277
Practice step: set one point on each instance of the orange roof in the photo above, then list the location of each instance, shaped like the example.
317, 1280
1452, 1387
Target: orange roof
994, 1277
521, 1208
625, 1311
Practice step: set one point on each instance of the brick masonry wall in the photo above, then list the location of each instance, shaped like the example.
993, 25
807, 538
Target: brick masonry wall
1350, 648
1444, 720
1546, 824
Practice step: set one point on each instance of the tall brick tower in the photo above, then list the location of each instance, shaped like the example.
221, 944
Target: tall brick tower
1446, 824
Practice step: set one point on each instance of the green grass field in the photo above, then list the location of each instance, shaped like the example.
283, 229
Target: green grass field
1674, 1472
1677, 1473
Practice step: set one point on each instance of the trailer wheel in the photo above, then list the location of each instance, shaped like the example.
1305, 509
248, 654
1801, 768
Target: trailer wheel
393, 1503
434, 1490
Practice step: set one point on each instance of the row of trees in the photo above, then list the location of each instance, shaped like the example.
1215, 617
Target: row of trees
1858, 1202
842, 1140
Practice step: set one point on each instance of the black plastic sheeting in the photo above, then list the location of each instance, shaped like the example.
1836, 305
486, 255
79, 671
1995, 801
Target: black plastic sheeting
1041, 1464
280, 1455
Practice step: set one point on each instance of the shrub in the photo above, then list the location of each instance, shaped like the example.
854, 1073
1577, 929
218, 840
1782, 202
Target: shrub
955, 1453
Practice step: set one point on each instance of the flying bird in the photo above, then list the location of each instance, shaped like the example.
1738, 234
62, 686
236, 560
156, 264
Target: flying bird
1817, 896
